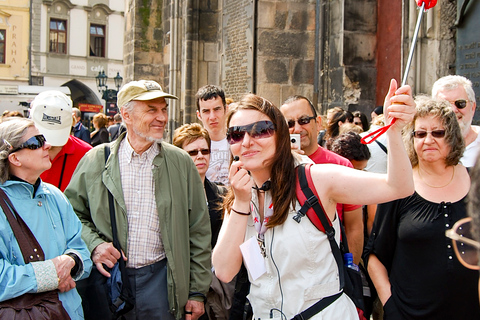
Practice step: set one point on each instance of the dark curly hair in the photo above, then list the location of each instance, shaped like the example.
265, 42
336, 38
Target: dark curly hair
349, 146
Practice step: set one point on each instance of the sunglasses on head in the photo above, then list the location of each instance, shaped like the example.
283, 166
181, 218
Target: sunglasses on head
194, 153
301, 121
420, 134
461, 103
256, 130
33, 143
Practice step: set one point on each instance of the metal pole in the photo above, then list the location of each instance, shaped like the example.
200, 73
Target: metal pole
414, 42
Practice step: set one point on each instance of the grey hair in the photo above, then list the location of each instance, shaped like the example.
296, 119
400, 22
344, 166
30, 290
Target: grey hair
452, 82
77, 112
12, 131
128, 107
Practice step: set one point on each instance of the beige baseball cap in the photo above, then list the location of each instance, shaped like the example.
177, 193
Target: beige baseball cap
142, 90
52, 113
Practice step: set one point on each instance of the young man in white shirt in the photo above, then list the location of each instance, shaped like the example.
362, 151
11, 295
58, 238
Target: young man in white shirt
211, 111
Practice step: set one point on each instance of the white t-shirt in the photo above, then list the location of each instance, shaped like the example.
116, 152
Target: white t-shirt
471, 151
378, 158
219, 162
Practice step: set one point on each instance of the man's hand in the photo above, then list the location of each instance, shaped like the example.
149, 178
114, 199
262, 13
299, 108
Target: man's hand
194, 309
105, 254
63, 265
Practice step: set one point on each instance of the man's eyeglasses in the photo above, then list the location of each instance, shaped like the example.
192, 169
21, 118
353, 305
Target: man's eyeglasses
420, 134
461, 103
33, 143
194, 153
256, 130
466, 249
301, 121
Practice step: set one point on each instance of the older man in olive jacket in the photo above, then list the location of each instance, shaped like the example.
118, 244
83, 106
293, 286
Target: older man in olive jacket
160, 209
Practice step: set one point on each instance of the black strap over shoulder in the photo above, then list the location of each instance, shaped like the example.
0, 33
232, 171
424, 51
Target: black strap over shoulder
313, 201
322, 216
126, 294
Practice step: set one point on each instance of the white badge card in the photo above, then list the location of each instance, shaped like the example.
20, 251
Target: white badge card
253, 258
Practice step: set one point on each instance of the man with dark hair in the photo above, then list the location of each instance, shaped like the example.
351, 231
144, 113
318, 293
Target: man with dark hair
302, 119
160, 208
211, 111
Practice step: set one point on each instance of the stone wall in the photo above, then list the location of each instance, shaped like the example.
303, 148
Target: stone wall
237, 48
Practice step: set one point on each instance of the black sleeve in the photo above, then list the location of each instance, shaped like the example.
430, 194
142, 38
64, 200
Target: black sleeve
383, 238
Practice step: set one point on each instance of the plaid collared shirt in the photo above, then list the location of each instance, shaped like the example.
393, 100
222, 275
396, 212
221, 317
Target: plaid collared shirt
144, 242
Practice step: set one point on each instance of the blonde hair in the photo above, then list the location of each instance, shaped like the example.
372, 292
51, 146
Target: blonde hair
100, 119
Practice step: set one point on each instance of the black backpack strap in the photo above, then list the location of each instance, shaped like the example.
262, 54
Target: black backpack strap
317, 307
314, 202
322, 216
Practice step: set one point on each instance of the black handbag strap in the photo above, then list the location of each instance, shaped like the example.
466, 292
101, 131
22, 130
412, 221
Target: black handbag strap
125, 295
113, 221
31, 249
382, 146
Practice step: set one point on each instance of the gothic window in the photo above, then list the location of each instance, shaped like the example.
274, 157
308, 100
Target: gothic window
58, 36
97, 40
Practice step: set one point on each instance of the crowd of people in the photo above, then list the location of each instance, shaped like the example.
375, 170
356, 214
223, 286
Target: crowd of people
208, 227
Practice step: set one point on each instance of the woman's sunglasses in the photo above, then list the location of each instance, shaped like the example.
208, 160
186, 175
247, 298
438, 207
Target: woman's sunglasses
301, 121
33, 143
466, 249
256, 130
194, 153
420, 134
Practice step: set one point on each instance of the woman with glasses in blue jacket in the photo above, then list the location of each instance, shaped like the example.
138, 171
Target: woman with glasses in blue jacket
49, 216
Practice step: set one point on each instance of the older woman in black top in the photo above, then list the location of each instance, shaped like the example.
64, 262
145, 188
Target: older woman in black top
411, 262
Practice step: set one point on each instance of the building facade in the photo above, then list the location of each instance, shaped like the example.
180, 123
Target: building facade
335, 52
65, 44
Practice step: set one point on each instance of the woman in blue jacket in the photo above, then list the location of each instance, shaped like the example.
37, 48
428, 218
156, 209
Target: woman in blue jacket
47, 213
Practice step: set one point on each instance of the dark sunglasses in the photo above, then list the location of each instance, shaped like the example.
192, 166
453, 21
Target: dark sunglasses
301, 121
195, 152
460, 104
256, 130
33, 143
420, 134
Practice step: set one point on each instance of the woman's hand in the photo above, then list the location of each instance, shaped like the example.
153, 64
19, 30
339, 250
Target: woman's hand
399, 104
241, 182
63, 265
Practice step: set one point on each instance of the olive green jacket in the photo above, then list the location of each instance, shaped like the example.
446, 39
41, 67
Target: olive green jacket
181, 206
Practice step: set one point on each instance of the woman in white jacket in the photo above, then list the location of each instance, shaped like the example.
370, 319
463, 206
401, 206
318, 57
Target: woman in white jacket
291, 266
